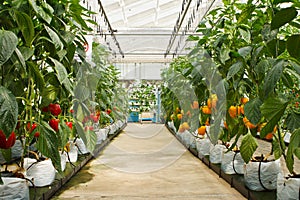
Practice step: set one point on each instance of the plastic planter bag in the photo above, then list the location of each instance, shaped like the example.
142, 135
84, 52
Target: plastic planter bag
216, 152
203, 147
232, 163
14, 188
288, 188
81, 146
101, 135
72, 155
260, 176
63, 160
187, 138
41, 173
172, 126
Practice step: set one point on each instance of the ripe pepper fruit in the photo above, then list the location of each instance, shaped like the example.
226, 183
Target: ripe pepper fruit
69, 124
33, 126
7, 143
54, 124
54, 109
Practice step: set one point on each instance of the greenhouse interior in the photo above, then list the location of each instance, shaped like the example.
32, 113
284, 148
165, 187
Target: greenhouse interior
150, 99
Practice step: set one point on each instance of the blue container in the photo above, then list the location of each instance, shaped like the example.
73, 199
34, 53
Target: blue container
133, 117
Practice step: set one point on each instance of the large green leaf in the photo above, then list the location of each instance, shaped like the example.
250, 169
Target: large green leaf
62, 76
293, 121
47, 16
224, 54
293, 149
273, 77
293, 46
36, 75
277, 150
234, 69
89, 138
245, 51
252, 110
272, 109
26, 26
55, 38
283, 17
246, 13
246, 35
81, 92
48, 144
8, 111
248, 147
8, 44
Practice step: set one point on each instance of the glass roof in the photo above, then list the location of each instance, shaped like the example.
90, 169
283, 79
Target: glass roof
147, 30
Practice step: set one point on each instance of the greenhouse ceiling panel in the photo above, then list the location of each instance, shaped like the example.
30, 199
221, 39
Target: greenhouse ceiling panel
151, 29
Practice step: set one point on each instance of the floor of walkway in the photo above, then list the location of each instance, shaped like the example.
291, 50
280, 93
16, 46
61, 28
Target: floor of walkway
147, 162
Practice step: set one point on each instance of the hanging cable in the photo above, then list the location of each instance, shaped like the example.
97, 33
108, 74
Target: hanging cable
110, 29
178, 26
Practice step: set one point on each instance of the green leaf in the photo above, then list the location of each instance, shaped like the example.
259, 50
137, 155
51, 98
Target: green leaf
246, 35
272, 109
277, 151
248, 147
287, 80
20, 58
283, 17
246, 13
41, 12
6, 153
252, 110
26, 25
292, 149
26, 52
48, 144
245, 51
293, 121
8, 111
275, 2
89, 138
224, 54
8, 44
293, 46
55, 38
62, 76
81, 92
49, 94
273, 77
234, 69
36, 75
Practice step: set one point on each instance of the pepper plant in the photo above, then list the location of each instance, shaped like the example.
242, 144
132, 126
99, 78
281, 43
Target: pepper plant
255, 48
38, 44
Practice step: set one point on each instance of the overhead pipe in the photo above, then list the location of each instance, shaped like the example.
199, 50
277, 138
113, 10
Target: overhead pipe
177, 27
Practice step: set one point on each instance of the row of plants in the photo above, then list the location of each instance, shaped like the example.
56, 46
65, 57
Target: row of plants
244, 73
50, 93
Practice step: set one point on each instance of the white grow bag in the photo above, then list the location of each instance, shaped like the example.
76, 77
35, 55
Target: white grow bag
41, 173
14, 188
288, 188
73, 153
216, 153
203, 147
260, 176
81, 146
232, 163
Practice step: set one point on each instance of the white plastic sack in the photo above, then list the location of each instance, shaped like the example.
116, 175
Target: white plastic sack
287, 189
232, 163
73, 153
287, 137
268, 175
216, 153
203, 147
172, 126
187, 138
63, 160
14, 188
41, 173
81, 146
101, 135
119, 123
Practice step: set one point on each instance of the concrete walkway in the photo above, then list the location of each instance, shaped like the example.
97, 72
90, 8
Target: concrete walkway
147, 162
